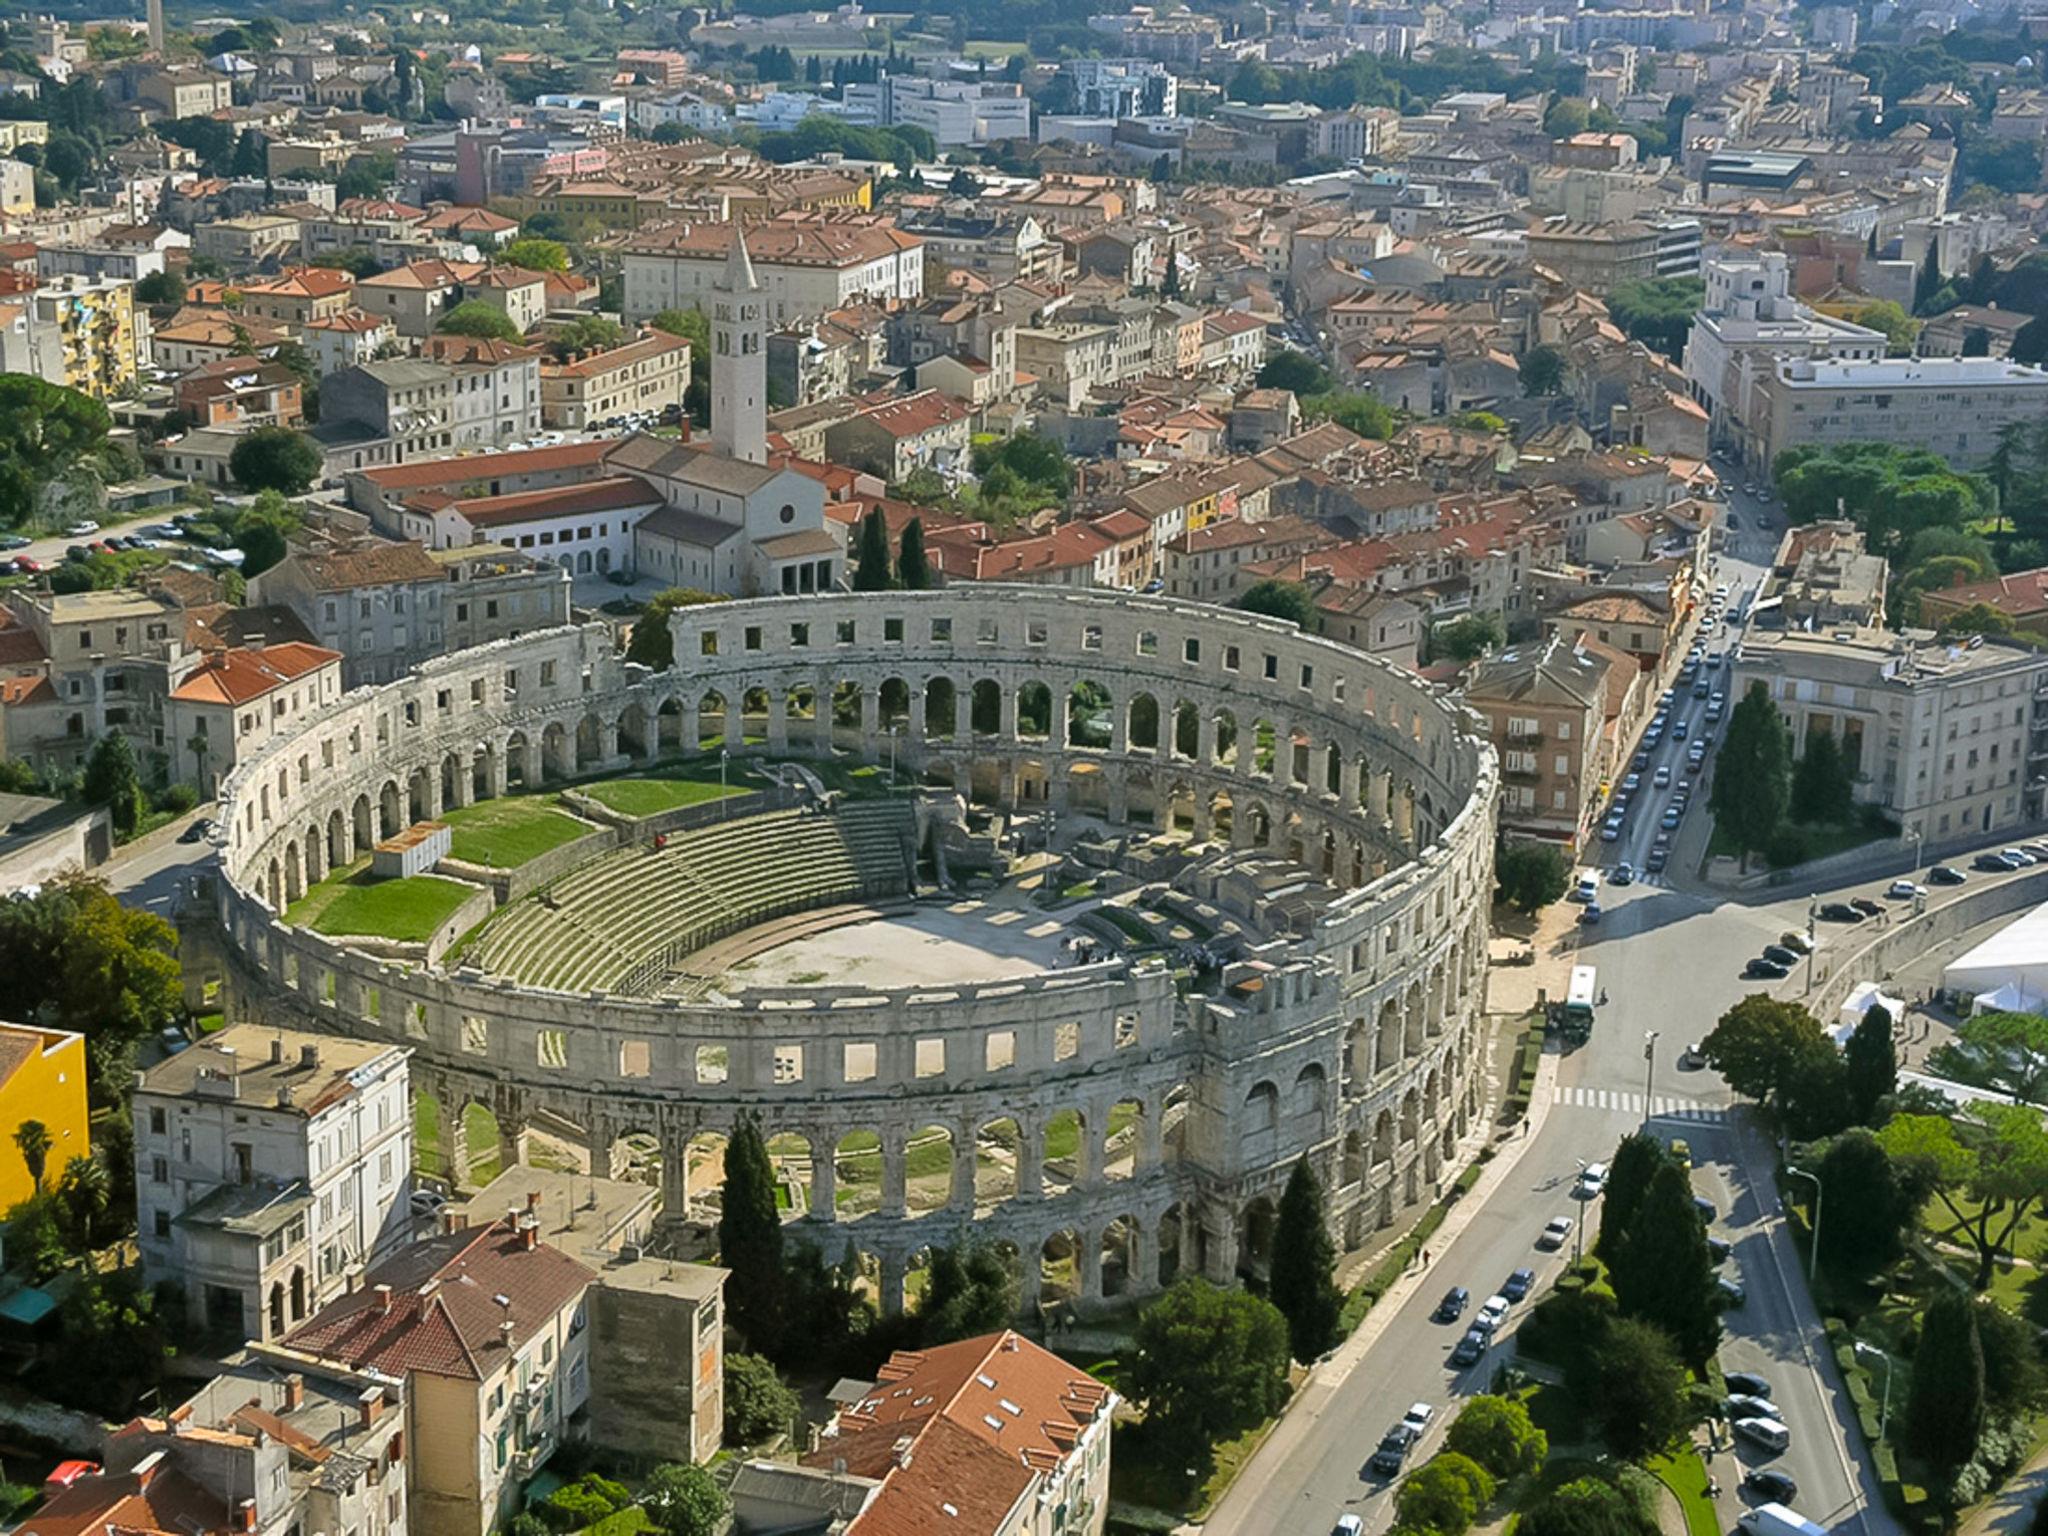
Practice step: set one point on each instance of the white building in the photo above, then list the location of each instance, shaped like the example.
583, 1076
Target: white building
1953, 406
271, 1168
235, 701
1748, 323
953, 112
806, 267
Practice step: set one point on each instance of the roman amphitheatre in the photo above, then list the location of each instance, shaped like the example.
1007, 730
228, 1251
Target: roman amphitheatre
1068, 918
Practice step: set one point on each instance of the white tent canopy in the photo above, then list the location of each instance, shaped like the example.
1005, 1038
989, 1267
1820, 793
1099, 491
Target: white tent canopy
2012, 962
1862, 998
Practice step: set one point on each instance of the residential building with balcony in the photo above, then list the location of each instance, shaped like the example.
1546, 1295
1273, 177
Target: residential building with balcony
1954, 407
238, 699
99, 336
272, 1168
648, 374
107, 661
1546, 705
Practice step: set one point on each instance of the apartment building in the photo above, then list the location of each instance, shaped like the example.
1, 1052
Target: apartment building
1955, 407
271, 1168
1938, 736
100, 338
236, 700
495, 388
300, 296
107, 663
378, 604
649, 373
240, 392
1069, 358
894, 437
806, 267
415, 296
1547, 705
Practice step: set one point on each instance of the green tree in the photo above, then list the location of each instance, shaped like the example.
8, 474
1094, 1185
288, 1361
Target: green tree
1762, 1046
968, 1292
1542, 370
262, 547
33, 1140
165, 287
1988, 1166
2015, 1377
1752, 771
1867, 1204
1304, 1259
1977, 619
111, 779
1443, 1495
1870, 1063
1207, 1364
1295, 371
1658, 311
367, 176
1927, 281
1469, 638
535, 254
1586, 1506
44, 430
759, 1405
1662, 1272
1900, 329
1822, 792
276, 459
685, 1500
913, 567
1497, 1433
651, 644
1945, 1405
1635, 1163
1564, 117
1170, 284
1633, 1385
2030, 342
473, 317
1352, 409
1531, 875
871, 570
1278, 599
2011, 1050
750, 1235
85, 1192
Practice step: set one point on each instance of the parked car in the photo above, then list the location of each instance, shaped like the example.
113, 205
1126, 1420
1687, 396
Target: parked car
1348, 1525
1592, 1180
1941, 874
1748, 1383
80, 529
1839, 912
1866, 906
196, 833
1452, 1307
14, 541
2018, 858
1783, 956
1719, 1249
1585, 888
1761, 969
1678, 730
1392, 1452
1703, 1208
1742, 1406
1589, 914
1796, 941
1492, 1313
1731, 1290
1416, 1419
1656, 860
1775, 1487
1642, 761
1610, 830
1766, 1432
1519, 1284
1634, 780
1469, 1349
1991, 863
1624, 874
1904, 890
1670, 819
427, 1202
28, 566
1681, 1152
1555, 1233
1661, 779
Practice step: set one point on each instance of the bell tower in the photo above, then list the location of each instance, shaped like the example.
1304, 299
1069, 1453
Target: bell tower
739, 359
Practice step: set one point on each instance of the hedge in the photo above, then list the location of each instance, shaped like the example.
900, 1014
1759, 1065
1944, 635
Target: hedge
1913, 1510
1402, 1254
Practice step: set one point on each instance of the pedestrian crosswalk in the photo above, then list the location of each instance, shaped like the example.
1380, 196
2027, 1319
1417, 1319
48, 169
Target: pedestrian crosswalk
1618, 1101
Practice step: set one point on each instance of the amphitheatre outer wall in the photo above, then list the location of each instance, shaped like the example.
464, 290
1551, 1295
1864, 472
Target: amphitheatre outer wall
1360, 1048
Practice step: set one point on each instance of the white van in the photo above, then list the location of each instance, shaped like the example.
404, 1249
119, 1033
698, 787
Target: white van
1768, 1433
1777, 1520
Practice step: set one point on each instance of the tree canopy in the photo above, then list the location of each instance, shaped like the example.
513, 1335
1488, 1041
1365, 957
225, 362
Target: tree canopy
44, 430
1658, 311
1542, 370
652, 645
276, 459
1279, 599
535, 254
750, 1236
1531, 875
1662, 1272
1208, 1363
1497, 1433
1945, 1404
1752, 771
474, 317
1304, 1260
1891, 492
1988, 1166
1296, 371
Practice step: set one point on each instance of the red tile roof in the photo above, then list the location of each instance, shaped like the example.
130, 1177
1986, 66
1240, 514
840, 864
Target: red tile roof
614, 493
159, 1499
447, 1297
483, 466
236, 677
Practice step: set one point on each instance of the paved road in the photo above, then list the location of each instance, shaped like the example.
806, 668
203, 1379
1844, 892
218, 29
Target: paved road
152, 878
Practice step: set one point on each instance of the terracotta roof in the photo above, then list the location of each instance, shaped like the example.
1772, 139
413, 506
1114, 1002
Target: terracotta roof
426, 276
925, 411
19, 646
159, 1499
612, 494
447, 1297
27, 690
778, 242
482, 466
459, 219
594, 364
236, 677
378, 208
445, 348
369, 564
304, 282
987, 1419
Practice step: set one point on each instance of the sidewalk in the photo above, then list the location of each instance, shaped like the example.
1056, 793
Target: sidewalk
1330, 1374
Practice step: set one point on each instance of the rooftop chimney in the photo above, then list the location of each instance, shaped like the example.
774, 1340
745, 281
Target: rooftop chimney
245, 1514
370, 1403
529, 1236
452, 1220
294, 1391
383, 1298
533, 1200
505, 1333
309, 1056
276, 1050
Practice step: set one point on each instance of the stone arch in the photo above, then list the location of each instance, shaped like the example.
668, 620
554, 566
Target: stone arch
364, 826
668, 725
1141, 727
857, 1174
1357, 1056
1059, 1267
338, 849
1411, 1022
1258, 825
701, 1181
1172, 1235
1387, 1044
1117, 1260
790, 1156
711, 721
1222, 815
1180, 810
1310, 1099
390, 810
800, 706
633, 736
893, 705
928, 1158
941, 708
278, 1320
1225, 724
557, 752
1255, 1225
294, 878
998, 1147
418, 800
1063, 1159
1354, 1158
589, 743
756, 704
1174, 1107
1383, 1139
1123, 1139
453, 780
518, 764
1090, 711
1187, 729
1264, 744
985, 707
1431, 1092
1410, 1117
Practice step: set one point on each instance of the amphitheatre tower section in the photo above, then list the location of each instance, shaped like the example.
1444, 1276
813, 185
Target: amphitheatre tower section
1182, 896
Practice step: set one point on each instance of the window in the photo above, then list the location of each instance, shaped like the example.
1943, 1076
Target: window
159, 1170
158, 1121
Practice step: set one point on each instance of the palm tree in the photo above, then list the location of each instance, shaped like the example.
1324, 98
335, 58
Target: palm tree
85, 1190
33, 1138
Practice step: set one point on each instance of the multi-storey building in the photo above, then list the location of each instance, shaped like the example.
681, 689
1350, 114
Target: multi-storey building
806, 267
376, 603
236, 700
107, 663
1955, 407
649, 373
271, 1169
98, 334
1938, 736
1547, 704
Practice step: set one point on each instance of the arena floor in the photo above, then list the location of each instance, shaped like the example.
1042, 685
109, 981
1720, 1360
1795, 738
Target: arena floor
972, 940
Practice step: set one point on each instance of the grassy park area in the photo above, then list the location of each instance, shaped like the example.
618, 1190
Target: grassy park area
507, 832
354, 902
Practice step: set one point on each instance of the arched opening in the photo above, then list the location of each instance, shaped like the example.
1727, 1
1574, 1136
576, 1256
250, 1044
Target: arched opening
1255, 1240
857, 1174
298, 1294
1354, 1157
1034, 712
985, 708
337, 840
1226, 739
589, 744
364, 826
482, 772
518, 770
789, 1154
1263, 747
846, 715
1357, 1057
1142, 730
1173, 1123
1059, 1268
1383, 1139
1410, 1117
1172, 1234
711, 721
1310, 1100
704, 1175
941, 708
1123, 1139
276, 1308
294, 886
1187, 730
452, 780
754, 708
391, 812
1117, 1261
417, 805
557, 752
997, 1146
895, 705
1061, 1167
482, 1141
668, 725
928, 1169
1221, 816
800, 707
1411, 1025
633, 730
1088, 715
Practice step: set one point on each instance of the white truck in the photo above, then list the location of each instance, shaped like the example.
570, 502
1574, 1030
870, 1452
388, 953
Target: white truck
1777, 1520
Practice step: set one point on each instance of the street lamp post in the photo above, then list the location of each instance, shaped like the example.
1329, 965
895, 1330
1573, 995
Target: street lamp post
1916, 835
1649, 1069
1812, 913
1813, 1252
722, 756
1884, 1412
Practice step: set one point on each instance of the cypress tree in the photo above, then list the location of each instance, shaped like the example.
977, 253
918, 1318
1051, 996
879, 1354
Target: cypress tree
111, 780
1636, 1162
1871, 1062
871, 572
1304, 1258
1666, 1275
1169, 288
1928, 281
1945, 1408
1821, 790
750, 1235
1752, 772
913, 568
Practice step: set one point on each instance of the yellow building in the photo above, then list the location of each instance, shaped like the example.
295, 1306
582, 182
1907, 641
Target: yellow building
95, 322
42, 1078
